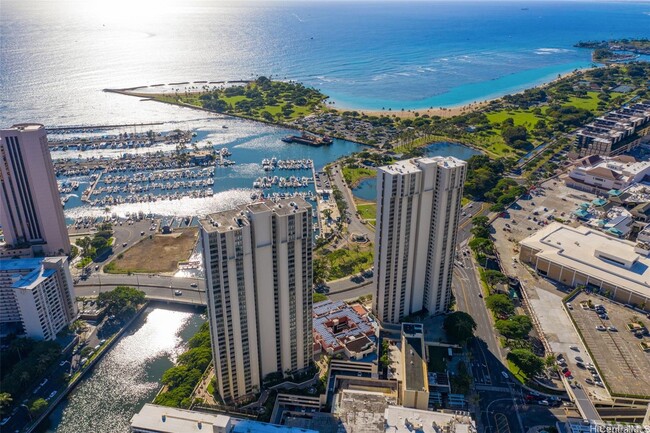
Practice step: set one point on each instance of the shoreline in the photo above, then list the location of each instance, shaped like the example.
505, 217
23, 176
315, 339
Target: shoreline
442, 111
456, 110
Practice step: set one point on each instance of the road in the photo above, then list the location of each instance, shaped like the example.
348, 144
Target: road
355, 226
501, 398
163, 292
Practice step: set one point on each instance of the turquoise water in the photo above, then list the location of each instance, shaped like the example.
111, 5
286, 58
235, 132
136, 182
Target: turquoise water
367, 188
58, 56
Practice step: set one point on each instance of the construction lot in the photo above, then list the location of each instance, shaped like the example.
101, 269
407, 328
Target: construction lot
156, 254
624, 366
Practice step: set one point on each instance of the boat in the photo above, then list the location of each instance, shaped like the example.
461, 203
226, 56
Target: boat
308, 139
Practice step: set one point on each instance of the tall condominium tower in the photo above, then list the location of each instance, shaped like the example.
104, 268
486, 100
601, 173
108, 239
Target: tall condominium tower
37, 295
418, 205
30, 208
258, 267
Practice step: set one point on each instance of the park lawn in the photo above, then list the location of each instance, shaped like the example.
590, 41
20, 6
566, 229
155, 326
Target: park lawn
354, 175
464, 201
350, 260
367, 211
521, 117
589, 103
159, 254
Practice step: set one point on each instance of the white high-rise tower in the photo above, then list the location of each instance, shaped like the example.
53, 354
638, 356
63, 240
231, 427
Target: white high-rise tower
258, 266
418, 207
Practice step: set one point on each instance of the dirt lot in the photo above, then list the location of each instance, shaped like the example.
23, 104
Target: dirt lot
157, 255
621, 362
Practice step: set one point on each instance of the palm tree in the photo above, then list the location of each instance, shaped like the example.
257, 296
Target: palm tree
5, 400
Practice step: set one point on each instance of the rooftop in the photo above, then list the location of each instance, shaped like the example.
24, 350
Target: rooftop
28, 272
403, 420
354, 326
232, 219
414, 165
171, 420
24, 127
595, 254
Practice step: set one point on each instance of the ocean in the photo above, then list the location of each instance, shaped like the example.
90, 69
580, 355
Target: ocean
57, 56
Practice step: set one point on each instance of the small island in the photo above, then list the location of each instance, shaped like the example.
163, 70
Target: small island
617, 50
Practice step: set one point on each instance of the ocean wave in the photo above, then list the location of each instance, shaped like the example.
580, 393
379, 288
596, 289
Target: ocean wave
549, 51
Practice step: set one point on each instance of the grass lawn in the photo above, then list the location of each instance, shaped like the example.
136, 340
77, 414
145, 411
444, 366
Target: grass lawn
521, 117
464, 201
588, 103
521, 377
354, 175
437, 359
350, 260
159, 254
367, 211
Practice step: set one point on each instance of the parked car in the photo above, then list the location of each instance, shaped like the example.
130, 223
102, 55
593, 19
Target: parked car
579, 359
177, 293
612, 328
543, 403
580, 365
590, 381
194, 285
600, 328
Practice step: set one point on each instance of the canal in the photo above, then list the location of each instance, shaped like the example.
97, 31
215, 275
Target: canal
129, 375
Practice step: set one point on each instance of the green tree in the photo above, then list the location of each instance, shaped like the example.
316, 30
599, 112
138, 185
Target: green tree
526, 361
500, 304
492, 277
481, 246
514, 328
38, 406
459, 326
121, 301
384, 360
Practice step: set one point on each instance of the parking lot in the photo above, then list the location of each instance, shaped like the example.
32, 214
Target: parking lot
624, 366
552, 200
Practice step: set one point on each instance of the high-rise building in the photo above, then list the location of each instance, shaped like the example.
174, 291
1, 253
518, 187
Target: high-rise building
37, 295
30, 207
418, 206
258, 266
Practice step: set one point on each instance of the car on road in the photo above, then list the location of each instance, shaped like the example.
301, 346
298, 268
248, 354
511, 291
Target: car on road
142, 233
194, 285
504, 374
480, 295
543, 403
52, 394
125, 244
569, 306
177, 293
43, 383
5, 421
601, 328
612, 328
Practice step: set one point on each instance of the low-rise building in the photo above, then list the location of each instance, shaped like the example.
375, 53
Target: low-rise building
415, 383
579, 425
342, 328
161, 419
37, 294
597, 173
403, 420
582, 256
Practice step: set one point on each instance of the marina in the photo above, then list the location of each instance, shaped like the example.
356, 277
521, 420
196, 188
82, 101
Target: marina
186, 178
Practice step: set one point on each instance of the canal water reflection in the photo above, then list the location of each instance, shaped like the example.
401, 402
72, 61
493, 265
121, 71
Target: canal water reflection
129, 375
